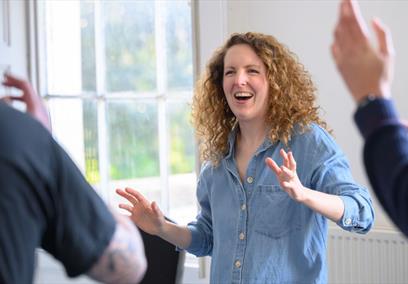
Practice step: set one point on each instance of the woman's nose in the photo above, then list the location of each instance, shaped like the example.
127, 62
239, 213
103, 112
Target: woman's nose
241, 79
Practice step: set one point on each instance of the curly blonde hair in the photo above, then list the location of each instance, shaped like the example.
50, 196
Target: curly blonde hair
291, 96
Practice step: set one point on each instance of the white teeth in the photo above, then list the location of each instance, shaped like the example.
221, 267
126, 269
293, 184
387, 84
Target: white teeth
242, 95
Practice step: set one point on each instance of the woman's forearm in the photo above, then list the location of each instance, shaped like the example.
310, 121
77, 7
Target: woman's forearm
329, 205
178, 235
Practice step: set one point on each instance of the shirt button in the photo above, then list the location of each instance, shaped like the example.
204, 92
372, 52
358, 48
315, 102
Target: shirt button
243, 207
348, 221
237, 264
250, 179
241, 236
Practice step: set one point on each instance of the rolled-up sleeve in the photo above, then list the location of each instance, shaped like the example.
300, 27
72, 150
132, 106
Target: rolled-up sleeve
358, 212
333, 176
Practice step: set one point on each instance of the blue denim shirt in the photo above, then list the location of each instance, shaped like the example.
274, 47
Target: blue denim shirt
255, 232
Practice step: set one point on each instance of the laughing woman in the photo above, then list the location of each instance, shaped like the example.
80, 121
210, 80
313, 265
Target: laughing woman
272, 174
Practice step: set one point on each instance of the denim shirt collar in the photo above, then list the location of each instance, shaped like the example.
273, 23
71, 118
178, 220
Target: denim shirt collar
231, 144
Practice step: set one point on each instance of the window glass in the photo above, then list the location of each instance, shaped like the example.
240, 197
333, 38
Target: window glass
179, 41
88, 56
129, 45
133, 139
182, 181
90, 121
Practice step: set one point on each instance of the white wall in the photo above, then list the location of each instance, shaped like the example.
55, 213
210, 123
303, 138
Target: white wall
13, 37
306, 27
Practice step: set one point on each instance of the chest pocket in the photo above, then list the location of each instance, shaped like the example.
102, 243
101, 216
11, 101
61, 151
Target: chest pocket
277, 215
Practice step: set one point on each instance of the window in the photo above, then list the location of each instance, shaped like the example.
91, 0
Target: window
118, 81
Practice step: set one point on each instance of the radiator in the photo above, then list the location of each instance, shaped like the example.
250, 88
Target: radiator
378, 257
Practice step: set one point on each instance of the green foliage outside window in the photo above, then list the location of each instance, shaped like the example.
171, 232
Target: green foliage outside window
130, 46
182, 152
133, 140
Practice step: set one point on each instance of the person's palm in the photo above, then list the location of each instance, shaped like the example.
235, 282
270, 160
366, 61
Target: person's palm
147, 216
365, 70
35, 106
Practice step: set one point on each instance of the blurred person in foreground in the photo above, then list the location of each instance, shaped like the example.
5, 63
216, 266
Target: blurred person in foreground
46, 202
368, 72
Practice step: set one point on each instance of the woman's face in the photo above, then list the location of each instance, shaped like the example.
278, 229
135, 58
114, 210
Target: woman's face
245, 85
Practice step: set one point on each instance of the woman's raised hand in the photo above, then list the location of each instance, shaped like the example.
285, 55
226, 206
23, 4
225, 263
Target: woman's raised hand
287, 176
147, 216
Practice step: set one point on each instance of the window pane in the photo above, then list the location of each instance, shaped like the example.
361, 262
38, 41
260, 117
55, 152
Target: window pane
79, 134
133, 148
133, 139
63, 45
70, 42
88, 46
129, 39
92, 172
182, 148
69, 132
182, 180
179, 45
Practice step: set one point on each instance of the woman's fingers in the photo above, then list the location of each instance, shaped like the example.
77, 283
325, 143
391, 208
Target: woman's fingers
284, 157
287, 173
137, 195
272, 164
128, 196
127, 207
292, 162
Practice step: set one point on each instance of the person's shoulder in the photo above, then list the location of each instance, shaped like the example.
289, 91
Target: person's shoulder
206, 168
20, 133
15, 122
314, 134
310, 130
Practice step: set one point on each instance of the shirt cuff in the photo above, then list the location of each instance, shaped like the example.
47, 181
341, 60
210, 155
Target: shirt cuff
196, 239
375, 114
350, 220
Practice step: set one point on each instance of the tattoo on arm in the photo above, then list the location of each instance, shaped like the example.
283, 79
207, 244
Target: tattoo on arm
124, 260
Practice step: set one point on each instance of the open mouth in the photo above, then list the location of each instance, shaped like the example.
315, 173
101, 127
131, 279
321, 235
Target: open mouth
242, 96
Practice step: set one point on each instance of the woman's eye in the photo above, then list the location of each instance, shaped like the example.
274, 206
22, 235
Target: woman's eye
253, 71
228, 72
